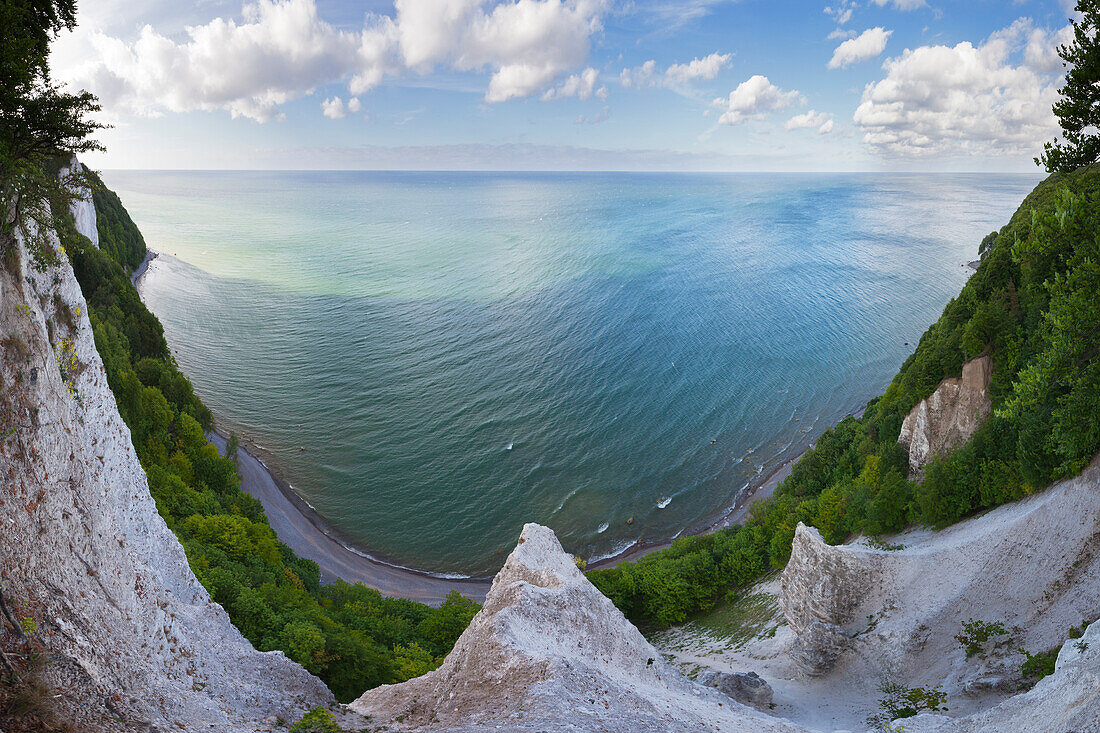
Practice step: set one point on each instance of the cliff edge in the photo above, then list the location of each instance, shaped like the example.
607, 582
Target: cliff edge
133, 639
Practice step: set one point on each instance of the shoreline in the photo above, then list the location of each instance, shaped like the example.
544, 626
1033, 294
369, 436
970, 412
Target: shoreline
734, 515
140, 270
298, 525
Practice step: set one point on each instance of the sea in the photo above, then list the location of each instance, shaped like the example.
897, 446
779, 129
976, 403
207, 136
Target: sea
432, 359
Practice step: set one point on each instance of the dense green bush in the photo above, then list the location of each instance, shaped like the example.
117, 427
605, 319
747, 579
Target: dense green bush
1034, 307
348, 635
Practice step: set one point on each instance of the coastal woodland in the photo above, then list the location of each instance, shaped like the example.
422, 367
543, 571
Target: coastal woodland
350, 636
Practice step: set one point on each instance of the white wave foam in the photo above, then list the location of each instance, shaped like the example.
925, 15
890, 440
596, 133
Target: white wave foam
614, 552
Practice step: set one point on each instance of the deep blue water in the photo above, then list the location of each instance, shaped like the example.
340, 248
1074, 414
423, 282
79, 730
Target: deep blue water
432, 359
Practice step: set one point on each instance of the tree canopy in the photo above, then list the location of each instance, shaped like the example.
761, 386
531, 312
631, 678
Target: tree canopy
1078, 108
40, 123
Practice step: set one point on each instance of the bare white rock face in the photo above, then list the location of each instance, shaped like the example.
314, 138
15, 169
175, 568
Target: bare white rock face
549, 652
83, 208
131, 632
820, 590
949, 416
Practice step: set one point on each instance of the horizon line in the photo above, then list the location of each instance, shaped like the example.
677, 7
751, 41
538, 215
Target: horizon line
577, 170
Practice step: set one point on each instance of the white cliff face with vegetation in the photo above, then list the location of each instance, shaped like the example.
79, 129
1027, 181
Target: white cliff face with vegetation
549, 652
845, 619
86, 559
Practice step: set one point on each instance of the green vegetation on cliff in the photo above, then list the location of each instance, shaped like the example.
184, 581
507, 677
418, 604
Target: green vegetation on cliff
1034, 306
348, 635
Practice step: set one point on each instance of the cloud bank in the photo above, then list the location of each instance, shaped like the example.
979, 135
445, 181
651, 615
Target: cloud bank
280, 50
964, 98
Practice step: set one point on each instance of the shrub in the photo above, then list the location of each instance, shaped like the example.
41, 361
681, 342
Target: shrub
318, 720
975, 634
898, 702
1038, 666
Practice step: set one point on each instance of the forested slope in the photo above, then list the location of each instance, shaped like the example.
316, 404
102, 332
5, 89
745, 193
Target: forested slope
348, 635
1033, 305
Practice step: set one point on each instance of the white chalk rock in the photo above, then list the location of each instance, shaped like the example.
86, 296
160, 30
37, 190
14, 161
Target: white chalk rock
549, 652
949, 416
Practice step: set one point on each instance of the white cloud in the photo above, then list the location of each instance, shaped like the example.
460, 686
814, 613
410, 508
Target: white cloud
841, 13
1041, 51
703, 68
754, 99
639, 75
963, 98
280, 50
902, 4
865, 46
335, 109
676, 75
581, 86
822, 121
526, 45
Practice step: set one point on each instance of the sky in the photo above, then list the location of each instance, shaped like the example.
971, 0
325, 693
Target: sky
729, 85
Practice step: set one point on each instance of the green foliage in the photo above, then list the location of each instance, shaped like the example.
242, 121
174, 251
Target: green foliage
1033, 306
898, 702
1038, 666
348, 635
1079, 97
40, 126
318, 720
975, 634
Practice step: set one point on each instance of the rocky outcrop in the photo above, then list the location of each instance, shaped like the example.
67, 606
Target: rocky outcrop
132, 638
949, 416
744, 687
819, 590
549, 652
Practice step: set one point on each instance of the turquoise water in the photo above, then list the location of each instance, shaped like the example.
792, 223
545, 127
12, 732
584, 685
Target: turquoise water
432, 359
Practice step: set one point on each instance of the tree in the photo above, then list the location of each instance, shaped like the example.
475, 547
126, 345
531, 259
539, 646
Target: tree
1078, 108
40, 124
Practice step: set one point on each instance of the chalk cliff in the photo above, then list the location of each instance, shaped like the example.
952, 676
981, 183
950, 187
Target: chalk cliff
83, 207
949, 416
131, 634
1033, 566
